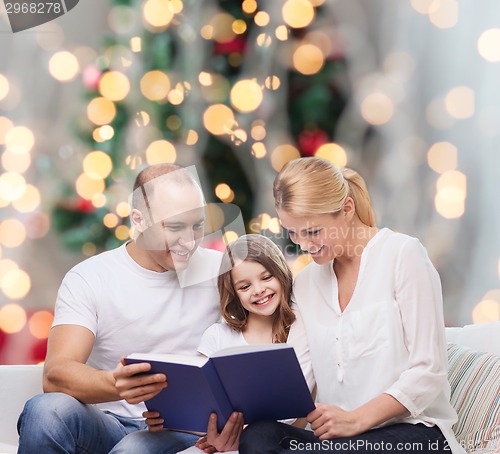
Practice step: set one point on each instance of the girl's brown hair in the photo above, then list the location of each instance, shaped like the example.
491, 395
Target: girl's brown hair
259, 249
314, 186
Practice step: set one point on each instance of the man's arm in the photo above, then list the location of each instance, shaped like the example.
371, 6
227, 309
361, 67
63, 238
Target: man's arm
68, 349
65, 371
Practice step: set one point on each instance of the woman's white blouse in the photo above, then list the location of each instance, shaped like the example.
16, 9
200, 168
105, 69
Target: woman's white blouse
389, 339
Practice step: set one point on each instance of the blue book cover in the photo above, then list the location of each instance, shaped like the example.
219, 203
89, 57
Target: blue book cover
261, 381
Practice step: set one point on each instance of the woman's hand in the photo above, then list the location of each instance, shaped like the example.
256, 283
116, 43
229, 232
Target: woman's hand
329, 421
153, 420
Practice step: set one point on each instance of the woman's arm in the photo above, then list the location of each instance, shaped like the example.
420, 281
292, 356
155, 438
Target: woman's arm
419, 298
329, 421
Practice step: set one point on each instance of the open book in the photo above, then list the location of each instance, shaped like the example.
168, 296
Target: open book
264, 382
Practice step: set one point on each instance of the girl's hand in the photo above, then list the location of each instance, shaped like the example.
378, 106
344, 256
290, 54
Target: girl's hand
153, 420
205, 446
329, 421
229, 438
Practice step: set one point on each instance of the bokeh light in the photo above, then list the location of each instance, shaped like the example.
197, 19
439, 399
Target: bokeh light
5, 126
246, 95
192, 137
308, 59
101, 111
249, 6
442, 157
259, 150
122, 233
219, 119
332, 152
12, 318
18, 163
421, 6
282, 154
274, 226
97, 165
15, 284
20, 140
239, 26
223, 191
460, 102
161, 151
29, 201
136, 44
4, 86
487, 45
229, 237
157, 13
488, 309
451, 193
64, 66
281, 32
12, 186
377, 108
155, 85
12, 233
443, 13
123, 209
110, 220
261, 19
298, 13
114, 85
222, 27
40, 323
87, 187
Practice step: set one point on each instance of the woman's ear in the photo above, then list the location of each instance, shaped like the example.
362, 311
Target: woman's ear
349, 209
138, 220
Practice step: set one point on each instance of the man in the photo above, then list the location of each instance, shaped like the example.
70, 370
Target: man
122, 301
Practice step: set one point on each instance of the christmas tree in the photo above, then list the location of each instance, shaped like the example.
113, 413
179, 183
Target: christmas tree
235, 88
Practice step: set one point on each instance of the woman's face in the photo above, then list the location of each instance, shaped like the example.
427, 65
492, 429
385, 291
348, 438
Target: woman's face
324, 236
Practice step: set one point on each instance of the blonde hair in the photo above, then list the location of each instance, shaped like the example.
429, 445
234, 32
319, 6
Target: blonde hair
314, 186
259, 249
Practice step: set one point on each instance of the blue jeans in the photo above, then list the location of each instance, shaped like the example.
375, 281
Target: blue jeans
58, 423
270, 437
145, 442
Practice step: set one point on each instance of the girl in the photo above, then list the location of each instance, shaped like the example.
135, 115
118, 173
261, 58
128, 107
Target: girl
370, 313
255, 287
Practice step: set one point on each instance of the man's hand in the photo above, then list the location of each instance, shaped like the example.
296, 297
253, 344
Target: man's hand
137, 388
229, 438
153, 420
329, 421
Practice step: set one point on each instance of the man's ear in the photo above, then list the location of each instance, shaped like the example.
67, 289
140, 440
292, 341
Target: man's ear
138, 220
348, 210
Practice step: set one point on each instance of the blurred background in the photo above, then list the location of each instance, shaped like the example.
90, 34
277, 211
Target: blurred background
404, 91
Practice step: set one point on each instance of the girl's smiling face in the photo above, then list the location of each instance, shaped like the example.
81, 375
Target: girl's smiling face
258, 290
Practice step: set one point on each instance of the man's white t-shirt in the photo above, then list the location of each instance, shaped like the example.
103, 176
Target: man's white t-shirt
130, 309
389, 339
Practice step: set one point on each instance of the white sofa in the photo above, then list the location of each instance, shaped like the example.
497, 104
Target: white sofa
474, 379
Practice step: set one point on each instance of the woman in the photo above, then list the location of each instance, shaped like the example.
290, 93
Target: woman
370, 313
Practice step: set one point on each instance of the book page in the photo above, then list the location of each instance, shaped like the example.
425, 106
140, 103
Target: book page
249, 349
198, 361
